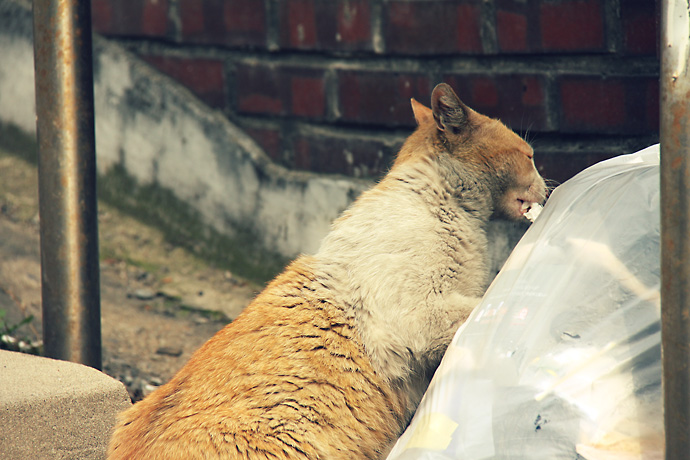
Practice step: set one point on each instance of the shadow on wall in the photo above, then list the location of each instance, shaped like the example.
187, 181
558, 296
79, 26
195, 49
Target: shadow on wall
153, 138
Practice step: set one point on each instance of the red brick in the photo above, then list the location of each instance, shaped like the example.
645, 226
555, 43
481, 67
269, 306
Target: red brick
559, 167
133, 18
517, 26
533, 91
301, 20
281, 90
245, 16
620, 105
192, 17
467, 29
155, 18
270, 139
233, 23
517, 100
572, 25
592, 104
102, 16
640, 21
380, 98
318, 25
511, 29
259, 90
422, 27
354, 22
484, 92
307, 96
343, 154
204, 77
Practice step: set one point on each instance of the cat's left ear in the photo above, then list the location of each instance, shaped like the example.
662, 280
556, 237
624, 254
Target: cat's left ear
422, 113
450, 114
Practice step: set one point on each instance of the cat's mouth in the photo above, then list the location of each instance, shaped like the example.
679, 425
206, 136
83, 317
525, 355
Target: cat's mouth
529, 209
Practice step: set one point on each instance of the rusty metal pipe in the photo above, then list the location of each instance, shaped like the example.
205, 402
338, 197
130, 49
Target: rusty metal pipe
67, 181
675, 225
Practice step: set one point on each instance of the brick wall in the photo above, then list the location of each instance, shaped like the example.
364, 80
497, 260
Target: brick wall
324, 85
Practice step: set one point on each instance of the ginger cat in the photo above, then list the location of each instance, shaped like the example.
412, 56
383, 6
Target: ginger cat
331, 360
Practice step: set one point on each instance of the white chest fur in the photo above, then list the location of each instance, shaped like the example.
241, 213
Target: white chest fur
408, 263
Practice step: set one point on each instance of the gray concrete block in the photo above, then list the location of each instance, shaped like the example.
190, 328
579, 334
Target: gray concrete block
52, 409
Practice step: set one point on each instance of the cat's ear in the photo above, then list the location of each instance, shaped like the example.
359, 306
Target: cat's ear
422, 113
448, 111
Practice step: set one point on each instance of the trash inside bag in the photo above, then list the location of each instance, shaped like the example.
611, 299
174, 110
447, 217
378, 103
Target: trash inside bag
562, 358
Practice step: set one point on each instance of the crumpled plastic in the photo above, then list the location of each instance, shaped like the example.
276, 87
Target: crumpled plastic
562, 358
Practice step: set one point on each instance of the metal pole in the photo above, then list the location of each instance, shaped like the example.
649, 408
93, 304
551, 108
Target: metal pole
675, 225
67, 180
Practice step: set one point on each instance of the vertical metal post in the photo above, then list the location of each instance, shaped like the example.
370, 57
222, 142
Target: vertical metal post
675, 225
67, 180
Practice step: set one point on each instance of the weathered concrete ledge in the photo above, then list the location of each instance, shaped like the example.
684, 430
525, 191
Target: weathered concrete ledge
53, 409
162, 134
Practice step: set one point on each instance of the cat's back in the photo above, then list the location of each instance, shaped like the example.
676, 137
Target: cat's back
286, 378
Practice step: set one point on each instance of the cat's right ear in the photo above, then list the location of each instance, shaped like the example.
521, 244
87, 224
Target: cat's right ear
449, 112
422, 113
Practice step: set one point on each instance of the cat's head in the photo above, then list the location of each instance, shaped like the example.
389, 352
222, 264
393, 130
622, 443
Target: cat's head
486, 148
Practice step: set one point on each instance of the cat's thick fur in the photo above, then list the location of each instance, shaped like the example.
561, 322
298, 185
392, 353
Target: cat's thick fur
332, 358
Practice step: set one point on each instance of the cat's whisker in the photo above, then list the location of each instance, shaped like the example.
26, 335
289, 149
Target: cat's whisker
550, 185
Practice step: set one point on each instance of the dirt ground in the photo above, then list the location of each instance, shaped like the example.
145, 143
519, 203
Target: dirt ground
159, 303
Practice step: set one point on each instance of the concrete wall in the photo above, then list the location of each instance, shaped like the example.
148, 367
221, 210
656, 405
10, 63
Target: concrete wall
162, 134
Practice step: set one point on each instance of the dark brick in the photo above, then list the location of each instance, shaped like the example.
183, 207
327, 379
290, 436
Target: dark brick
651, 108
233, 23
270, 139
133, 18
354, 156
155, 18
354, 23
559, 167
517, 100
572, 25
308, 96
592, 104
331, 25
280, 90
441, 27
246, 17
301, 23
302, 151
484, 93
467, 29
517, 26
192, 19
380, 98
512, 31
204, 77
640, 21
102, 16
621, 105
259, 90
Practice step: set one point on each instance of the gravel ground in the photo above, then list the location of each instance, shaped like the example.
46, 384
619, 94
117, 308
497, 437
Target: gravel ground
159, 303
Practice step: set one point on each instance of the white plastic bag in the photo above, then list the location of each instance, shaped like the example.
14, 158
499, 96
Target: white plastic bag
562, 359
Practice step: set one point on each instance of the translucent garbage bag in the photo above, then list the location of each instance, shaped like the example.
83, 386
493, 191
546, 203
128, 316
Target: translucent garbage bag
562, 358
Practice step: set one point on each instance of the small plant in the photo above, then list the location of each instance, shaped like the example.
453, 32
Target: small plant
6, 328
8, 341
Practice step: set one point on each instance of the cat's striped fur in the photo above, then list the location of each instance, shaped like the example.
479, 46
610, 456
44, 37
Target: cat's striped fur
331, 359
